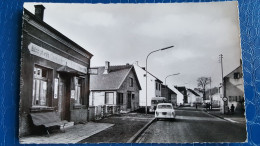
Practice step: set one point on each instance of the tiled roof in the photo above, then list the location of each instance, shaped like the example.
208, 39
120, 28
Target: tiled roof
112, 80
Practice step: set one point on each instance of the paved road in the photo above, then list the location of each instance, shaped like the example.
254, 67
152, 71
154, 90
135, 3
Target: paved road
125, 126
193, 126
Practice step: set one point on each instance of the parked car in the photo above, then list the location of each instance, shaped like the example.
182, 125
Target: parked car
164, 111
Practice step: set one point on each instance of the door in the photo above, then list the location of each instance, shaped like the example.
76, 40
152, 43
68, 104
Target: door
64, 99
129, 100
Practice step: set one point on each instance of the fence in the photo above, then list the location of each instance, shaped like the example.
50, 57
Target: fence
102, 111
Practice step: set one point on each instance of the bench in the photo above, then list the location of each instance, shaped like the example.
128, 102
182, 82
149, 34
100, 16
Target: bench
47, 119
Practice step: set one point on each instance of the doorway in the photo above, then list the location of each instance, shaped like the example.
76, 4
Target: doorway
64, 98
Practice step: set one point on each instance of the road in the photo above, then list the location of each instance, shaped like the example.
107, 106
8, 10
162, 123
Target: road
193, 126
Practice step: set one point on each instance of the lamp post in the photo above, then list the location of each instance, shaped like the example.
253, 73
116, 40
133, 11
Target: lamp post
146, 71
169, 76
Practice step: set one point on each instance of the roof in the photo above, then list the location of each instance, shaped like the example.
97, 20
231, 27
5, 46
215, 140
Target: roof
113, 80
56, 32
192, 91
240, 66
150, 74
165, 86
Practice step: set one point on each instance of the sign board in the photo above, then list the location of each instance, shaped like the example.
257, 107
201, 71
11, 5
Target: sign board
48, 55
224, 99
56, 81
93, 71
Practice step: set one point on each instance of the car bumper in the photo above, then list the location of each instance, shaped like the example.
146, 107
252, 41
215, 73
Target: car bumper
167, 116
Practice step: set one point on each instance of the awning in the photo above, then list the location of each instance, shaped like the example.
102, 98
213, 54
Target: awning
68, 70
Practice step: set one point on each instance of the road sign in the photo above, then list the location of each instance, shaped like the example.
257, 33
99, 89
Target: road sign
93, 71
224, 99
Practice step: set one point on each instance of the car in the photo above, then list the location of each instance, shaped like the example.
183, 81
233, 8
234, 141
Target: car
164, 111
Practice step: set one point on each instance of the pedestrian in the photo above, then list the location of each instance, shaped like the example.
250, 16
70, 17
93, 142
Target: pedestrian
232, 109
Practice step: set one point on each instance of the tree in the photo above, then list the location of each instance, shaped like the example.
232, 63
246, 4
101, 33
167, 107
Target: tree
202, 83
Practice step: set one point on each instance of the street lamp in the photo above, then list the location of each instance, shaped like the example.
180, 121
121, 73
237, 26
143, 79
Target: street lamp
146, 71
169, 76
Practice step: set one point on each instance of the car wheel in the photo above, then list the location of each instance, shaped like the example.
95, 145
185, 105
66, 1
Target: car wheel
157, 119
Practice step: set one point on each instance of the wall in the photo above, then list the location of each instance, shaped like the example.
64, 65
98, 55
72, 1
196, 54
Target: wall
150, 86
97, 98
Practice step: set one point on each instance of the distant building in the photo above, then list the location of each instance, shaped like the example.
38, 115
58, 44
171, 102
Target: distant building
183, 91
54, 74
115, 86
193, 97
234, 89
170, 95
153, 86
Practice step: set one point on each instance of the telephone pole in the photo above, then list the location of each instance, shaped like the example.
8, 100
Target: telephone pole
224, 98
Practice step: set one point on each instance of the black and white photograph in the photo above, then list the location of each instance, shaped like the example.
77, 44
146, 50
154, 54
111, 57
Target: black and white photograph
131, 73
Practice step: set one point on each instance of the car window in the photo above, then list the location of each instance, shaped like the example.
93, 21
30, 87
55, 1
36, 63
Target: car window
164, 107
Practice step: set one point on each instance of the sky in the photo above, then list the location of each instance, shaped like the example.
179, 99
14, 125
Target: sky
127, 33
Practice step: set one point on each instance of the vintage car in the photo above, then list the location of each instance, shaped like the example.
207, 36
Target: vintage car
164, 111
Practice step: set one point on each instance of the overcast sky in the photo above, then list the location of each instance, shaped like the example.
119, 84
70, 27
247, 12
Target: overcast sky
126, 33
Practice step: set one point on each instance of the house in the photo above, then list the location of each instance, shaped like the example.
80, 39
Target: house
183, 91
153, 86
234, 89
193, 97
180, 96
170, 95
115, 86
53, 73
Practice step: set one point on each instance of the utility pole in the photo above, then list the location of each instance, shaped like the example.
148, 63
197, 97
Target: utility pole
222, 84
210, 93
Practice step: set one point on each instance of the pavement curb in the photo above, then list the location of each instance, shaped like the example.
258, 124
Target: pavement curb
134, 138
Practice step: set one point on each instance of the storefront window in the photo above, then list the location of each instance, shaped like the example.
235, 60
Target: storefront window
39, 86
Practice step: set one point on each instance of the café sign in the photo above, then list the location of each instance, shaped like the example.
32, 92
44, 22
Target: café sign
48, 55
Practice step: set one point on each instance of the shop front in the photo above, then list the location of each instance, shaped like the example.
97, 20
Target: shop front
53, 75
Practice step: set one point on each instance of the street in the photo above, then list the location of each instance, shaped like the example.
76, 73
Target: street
193, 126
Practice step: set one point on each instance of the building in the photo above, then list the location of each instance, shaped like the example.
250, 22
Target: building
53, 73
183, 91
115, 86
153, 86
234, 89
193, 97
169, 94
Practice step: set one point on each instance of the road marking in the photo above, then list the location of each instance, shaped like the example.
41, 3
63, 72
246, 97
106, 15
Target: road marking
231, 120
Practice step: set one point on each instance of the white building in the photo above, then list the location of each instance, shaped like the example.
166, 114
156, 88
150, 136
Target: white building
180, 97
153, 86
193, 97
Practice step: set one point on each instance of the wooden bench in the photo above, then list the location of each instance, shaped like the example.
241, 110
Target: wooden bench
47, 119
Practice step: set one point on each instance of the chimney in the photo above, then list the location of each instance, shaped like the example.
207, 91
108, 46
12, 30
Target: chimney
107, 66
39, 11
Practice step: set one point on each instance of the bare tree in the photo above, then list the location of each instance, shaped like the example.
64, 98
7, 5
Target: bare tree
202, 83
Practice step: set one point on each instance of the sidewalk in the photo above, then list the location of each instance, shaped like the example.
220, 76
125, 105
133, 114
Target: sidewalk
234, 118
72, 135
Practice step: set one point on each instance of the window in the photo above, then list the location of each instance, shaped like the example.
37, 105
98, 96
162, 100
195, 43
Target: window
156, 85
236, 75
131, 82
120, 98
39, 86
109, 98
133, 97
77, 82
